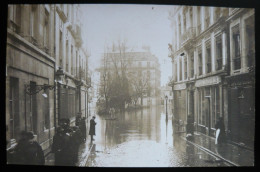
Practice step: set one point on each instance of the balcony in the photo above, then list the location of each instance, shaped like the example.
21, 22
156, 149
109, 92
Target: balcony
237, 63
188, 35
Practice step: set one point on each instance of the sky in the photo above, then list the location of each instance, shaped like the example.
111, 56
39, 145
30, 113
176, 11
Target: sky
137, 24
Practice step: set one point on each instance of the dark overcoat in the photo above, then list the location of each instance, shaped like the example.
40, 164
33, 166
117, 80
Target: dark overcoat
29, 152
92, 129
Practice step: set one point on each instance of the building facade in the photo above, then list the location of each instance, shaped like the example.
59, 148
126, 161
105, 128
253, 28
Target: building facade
203, 53
37, 41
143, 70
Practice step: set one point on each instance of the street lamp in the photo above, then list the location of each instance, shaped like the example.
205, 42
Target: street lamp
166, 98
34, 89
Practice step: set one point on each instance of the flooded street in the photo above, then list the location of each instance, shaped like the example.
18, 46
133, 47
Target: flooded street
144, 138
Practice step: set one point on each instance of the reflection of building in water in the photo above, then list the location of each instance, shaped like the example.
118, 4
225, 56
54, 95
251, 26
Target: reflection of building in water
213, 54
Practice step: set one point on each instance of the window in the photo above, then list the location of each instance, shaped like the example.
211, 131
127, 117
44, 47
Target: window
200, 63
46, 31
199, 23
67, 55
14, 108
218, 53
250, 41
185, 68
208, 57
33, 22
236, 48
191, 66
217, 13
71, 60
207, 18
60, 49
180, 69
14, 14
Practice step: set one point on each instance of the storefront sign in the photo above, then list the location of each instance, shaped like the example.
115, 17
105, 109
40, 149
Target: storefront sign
208, 81
180, 86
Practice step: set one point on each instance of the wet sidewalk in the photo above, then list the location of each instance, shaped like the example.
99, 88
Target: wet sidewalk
233, 154
84, 151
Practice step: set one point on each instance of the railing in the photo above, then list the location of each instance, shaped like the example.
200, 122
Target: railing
237, 62
219, 63
189, 34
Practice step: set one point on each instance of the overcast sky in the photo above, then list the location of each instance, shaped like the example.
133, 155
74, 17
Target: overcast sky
138, 24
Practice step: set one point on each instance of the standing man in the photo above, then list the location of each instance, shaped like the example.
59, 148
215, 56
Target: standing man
92, 130
28, 151
220, 126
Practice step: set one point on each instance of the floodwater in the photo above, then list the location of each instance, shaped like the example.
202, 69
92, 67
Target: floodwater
143, 138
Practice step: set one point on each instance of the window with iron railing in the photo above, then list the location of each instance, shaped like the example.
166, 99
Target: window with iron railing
237, 63
208, 52
200, 64
192, 72
14, 15
236, 47
219, 63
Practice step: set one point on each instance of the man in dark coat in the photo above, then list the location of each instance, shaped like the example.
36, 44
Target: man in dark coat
220, 125
82, 127
92, 130
61, 147
28, 151
75, 143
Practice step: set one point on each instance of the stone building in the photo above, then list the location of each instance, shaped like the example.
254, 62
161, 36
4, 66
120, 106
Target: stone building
143, 66
203, 53
38, 66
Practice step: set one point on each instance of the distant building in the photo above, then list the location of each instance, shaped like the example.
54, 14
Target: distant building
212, 56
140, 64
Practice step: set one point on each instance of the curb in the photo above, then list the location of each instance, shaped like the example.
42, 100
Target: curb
84, 160
210, 152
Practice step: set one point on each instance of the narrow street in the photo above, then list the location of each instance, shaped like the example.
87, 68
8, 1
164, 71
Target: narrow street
144, 138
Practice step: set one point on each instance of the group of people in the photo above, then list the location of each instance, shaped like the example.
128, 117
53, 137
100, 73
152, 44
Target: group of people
65, 146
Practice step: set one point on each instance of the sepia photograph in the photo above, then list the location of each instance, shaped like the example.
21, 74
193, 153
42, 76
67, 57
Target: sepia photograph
130, 85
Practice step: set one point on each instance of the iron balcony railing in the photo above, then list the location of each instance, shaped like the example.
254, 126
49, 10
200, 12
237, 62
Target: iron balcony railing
188, 35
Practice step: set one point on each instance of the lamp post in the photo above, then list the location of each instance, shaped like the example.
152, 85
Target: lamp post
166, 98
